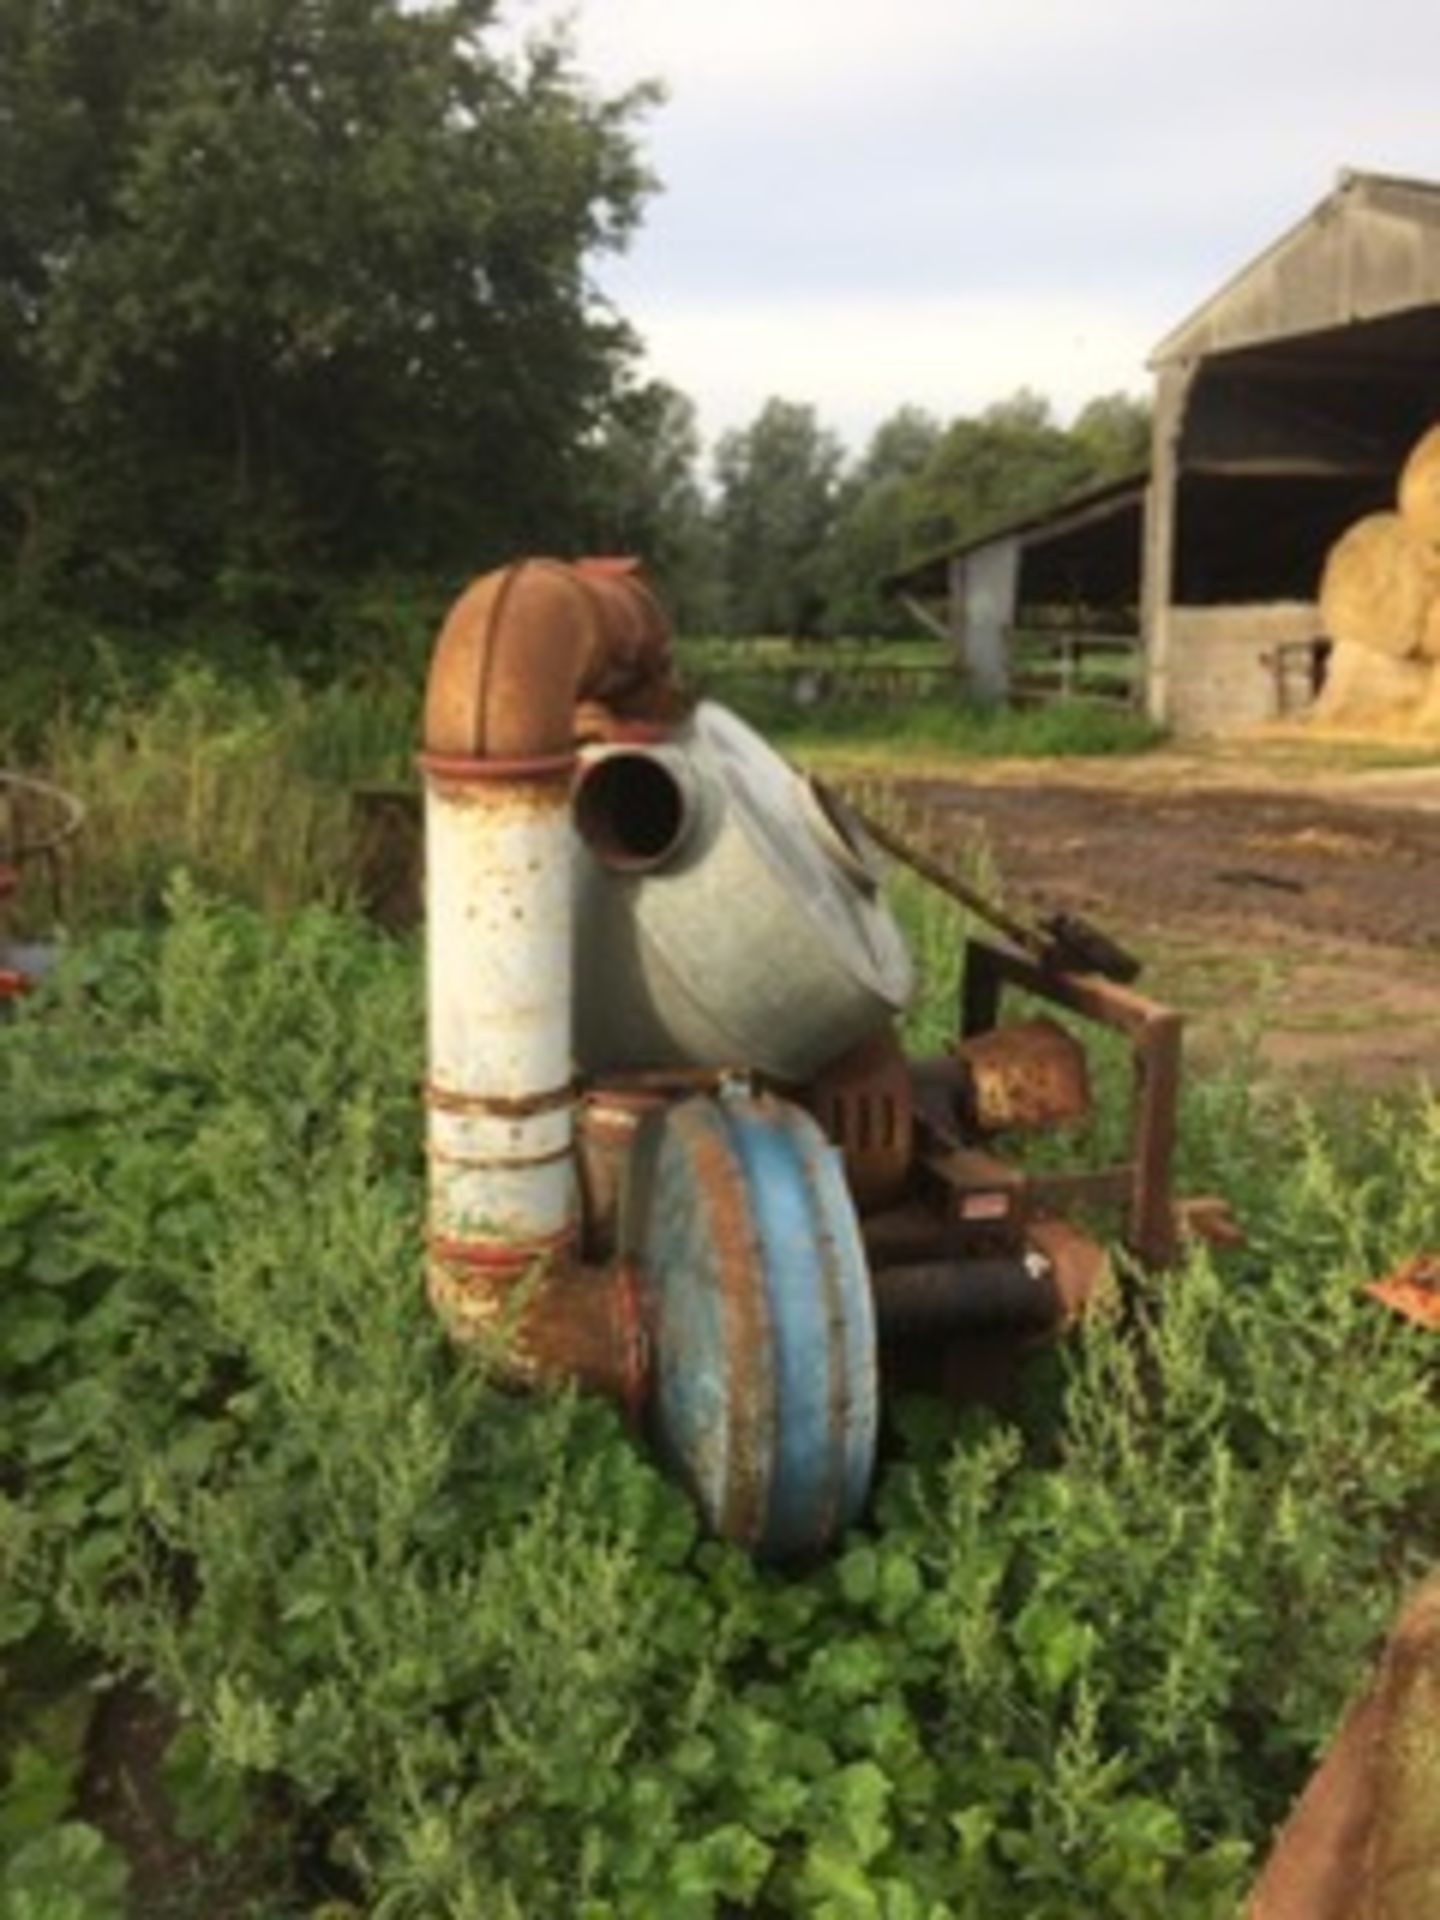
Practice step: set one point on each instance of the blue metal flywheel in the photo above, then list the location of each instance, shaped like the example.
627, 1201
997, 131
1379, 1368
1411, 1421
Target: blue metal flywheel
764, 1400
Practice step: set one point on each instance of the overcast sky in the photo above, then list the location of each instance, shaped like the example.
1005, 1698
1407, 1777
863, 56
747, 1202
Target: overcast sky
868, 202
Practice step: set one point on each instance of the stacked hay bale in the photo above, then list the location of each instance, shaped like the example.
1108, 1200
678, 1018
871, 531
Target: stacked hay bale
1380, 608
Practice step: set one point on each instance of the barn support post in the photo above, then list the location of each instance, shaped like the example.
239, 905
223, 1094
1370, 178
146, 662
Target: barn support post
1162, 507
955, 612
1162, 511
992, 581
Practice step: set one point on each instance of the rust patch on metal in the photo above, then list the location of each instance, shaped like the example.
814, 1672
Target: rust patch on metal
865, 1104
500, 1256
672, 1080
1078, 1266
828, 1507
744, 1318
1154, 1032
1362, 1842
605, 1127
1207, 1217
633, 1334
523, 645
974, 1189
547, 1319
460, 769
598, 724
491, 1162
515, 799
1031, 1075
496, 1106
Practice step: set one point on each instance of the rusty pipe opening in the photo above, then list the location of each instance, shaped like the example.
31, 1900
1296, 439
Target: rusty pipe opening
634, 806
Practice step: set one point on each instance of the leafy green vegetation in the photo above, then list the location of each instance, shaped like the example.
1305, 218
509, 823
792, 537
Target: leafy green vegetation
443, 1651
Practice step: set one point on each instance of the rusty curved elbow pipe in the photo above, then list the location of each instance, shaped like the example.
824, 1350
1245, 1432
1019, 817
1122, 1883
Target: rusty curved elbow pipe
518, 653
522, 647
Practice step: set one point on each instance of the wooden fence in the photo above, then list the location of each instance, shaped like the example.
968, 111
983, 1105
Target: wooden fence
826, 683
1050, 664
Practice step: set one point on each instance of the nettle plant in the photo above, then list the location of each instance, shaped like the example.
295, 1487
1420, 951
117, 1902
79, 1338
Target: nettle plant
438, 1650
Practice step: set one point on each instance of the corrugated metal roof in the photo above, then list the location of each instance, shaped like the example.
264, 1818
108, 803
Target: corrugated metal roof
1370, 248
1067, 515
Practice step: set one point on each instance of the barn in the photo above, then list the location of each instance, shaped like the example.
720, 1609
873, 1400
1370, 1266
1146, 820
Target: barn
1284, 407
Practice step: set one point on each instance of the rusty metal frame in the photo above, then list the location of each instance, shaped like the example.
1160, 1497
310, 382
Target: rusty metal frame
1141, 1184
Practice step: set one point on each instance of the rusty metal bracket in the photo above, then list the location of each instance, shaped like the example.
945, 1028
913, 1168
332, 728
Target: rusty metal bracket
1142, 1183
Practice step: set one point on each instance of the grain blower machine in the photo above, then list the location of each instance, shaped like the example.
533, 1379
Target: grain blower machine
676, 1153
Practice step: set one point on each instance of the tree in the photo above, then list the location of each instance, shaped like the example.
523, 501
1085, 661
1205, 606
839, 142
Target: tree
872, 533
295, 287
646, 500
1010, 460
1113, 430
778, 481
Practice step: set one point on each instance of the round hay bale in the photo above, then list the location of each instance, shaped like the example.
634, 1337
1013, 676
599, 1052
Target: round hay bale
1427, 714
1430, 632
1379, 581
1368, 689
1419, 491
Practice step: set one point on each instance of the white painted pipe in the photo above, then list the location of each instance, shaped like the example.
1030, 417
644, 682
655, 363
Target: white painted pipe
519, 650
498, 866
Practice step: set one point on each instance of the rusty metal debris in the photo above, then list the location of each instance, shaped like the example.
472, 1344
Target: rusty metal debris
37, 822
1412, 1289
1031, 1075
1363, 1841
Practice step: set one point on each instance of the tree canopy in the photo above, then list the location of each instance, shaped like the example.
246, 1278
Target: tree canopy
778, 485
291, 287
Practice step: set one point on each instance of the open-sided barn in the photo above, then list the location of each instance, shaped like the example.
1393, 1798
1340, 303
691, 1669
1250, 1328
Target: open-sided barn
1284, 407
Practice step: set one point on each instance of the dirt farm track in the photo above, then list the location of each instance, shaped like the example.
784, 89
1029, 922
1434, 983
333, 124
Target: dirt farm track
1303, 899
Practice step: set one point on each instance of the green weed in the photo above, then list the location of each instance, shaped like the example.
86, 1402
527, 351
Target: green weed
249, 788
465, 1649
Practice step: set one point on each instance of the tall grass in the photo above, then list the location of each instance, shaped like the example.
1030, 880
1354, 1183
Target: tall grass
247, 784
247, 788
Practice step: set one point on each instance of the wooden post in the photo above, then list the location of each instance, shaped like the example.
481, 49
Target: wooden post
1162, 507
957, 612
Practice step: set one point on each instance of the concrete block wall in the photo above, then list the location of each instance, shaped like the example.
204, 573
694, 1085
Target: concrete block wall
1219, 678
